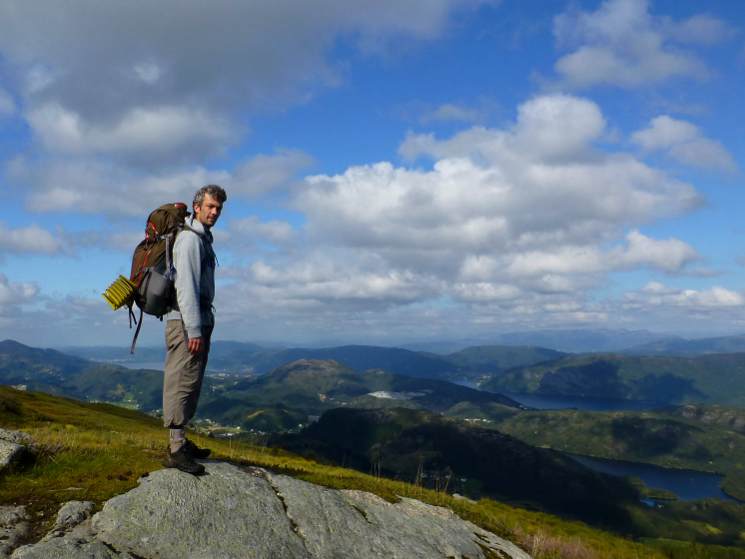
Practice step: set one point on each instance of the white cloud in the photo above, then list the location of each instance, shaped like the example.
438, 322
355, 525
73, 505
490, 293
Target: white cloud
16, 293
31, 239
158, 134
93, 186
622, 44
13, 295
533, 210
252, 230
149, 72
89, 186
670, 255
506, 225
656, 294
264, 173
700, 29
558, 126
7, 104
685, 143
187, 74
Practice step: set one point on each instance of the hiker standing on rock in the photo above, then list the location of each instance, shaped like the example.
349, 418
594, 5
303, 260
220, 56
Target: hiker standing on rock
189, 327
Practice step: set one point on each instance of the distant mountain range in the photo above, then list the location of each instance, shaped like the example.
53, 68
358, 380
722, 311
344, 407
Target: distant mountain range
277, 400
48, 370
714, 379
304, 388
709, 378
683, 346
469, 364
577, 340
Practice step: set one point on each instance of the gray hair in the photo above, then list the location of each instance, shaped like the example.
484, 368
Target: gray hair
217, 192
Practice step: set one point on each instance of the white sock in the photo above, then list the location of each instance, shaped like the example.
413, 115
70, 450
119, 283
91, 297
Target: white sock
176, 438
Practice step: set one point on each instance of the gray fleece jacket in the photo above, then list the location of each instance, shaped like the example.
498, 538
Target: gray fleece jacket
194, 261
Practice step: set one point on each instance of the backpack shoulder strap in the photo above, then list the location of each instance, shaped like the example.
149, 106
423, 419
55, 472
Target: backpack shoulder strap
137, 330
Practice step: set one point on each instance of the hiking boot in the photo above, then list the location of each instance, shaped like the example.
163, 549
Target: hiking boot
182, 460
196, 452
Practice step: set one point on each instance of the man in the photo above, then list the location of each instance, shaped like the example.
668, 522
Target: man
189, 327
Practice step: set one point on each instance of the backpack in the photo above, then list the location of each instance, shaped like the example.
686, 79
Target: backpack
152, 264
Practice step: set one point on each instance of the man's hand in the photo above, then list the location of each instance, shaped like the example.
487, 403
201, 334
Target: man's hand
196, 345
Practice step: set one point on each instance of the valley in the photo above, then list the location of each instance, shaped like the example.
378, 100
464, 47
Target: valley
363, 411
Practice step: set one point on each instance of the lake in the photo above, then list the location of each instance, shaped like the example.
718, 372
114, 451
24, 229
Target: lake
688, 485
134, 364
540, 402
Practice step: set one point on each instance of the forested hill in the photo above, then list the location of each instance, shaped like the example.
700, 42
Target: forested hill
713, 379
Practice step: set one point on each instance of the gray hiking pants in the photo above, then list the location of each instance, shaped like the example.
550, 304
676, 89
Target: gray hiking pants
183, 374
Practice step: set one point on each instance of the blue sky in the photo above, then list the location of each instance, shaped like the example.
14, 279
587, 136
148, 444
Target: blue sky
416, 171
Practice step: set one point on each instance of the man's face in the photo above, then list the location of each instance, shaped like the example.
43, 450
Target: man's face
208, 213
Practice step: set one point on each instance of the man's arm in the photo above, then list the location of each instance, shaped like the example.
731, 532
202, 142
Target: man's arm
187, 260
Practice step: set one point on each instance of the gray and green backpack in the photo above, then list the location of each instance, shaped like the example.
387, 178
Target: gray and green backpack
152, 272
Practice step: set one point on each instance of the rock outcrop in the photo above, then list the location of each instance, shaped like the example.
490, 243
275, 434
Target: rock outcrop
234, 512
14, 528
16, 448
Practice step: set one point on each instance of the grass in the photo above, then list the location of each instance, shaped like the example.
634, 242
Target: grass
96, 451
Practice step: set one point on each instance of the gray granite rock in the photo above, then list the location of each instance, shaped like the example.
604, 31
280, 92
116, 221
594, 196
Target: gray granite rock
10, 454
224, 514
68, 547
14, 528
249, 513
15, 447
73, 513
362, 525
232, 513
18, 437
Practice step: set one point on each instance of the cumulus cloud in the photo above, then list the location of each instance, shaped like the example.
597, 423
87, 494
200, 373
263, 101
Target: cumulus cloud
13, 293
506, 225
491, 191
701, 29
622, 44
685, 143
265, 173
88, 78
658, 294
322, 292
252, 231
155, 134
13, 296
31, 239
95, 187
7, 104
670, 255
92, 186
518, 216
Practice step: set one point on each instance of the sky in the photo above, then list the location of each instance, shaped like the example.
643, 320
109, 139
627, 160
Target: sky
396, 171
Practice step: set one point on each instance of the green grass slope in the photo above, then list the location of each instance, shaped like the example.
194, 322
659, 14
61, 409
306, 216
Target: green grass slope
51, 371
96, 451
